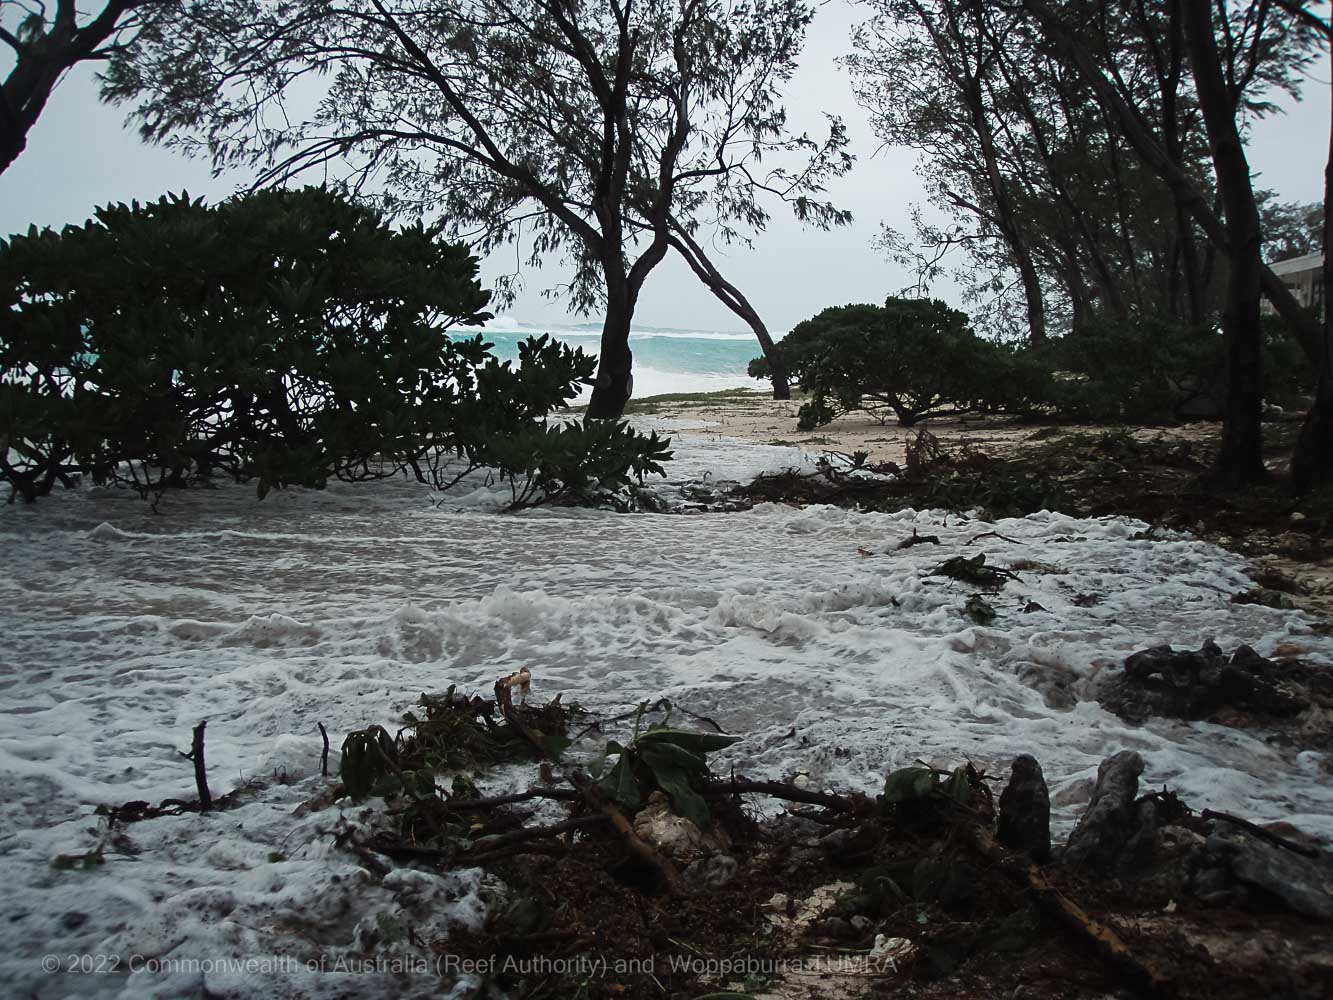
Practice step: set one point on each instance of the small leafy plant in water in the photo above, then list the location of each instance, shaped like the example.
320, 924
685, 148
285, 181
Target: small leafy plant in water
672, 760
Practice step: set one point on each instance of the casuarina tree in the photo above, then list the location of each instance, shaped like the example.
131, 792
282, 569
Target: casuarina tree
592, 130
44, 44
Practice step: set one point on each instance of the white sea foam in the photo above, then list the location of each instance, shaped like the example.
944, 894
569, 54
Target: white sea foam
124, 628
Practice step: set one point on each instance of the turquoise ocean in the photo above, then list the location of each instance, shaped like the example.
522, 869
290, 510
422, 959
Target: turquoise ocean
665, 359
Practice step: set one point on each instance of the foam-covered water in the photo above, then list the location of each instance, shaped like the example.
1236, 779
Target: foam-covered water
123, 629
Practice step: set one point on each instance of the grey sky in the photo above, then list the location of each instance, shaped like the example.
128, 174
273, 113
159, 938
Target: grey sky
79, 156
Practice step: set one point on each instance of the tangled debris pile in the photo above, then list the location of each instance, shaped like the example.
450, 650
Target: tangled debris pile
1079, 473
641, 873
682, 885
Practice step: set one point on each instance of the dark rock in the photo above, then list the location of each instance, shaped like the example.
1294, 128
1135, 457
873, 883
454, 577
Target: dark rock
708, 874
1137, 854
1025, 810
1054, 683
1185, 684
1232, 856
1115, 832
835, 928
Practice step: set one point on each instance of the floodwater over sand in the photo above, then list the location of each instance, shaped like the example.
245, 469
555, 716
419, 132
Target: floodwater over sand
805, 630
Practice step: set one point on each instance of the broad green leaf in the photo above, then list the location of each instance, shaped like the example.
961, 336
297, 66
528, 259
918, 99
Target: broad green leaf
908, 784
675, 781
697, 742
621, 786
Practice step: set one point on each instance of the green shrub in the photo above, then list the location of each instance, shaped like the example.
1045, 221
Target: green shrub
287, 337
1139, 371
910, 358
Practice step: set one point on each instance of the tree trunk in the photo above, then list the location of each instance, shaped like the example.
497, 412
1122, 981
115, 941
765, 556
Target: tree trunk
1302, 327
1241, 460
777, 364
1312, 462
41, 64
732, 297
615, 380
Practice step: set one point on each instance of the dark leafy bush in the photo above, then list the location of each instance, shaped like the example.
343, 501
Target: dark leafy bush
909, 358
1288, 374
287, 337
1141, 371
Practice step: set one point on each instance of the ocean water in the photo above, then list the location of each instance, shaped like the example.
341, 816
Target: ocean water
665, 359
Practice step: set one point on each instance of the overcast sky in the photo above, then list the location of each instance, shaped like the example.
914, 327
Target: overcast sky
79, 156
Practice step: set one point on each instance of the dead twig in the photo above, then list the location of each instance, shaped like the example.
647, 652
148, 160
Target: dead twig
661, 705
993, 534
324, 756
916, 539
196, 754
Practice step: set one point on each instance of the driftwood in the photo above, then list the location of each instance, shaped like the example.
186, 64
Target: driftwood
1141, 974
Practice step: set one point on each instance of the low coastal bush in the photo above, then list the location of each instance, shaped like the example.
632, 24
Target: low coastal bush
917, 358
1139, 371
1152, 371
909, 359
285, 338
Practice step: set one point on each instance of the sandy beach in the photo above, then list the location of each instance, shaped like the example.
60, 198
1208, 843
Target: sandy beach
754, 416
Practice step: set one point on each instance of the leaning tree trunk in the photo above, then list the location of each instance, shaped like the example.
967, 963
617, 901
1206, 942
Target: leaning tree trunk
1312, 462
615, 382
1241, 460
734, 299
777, 364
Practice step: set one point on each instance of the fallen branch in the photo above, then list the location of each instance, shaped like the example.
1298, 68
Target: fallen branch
635, 844
779, 790
504, 699
526, 833
1259, 831
1141, 973
484, 849
560, 794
